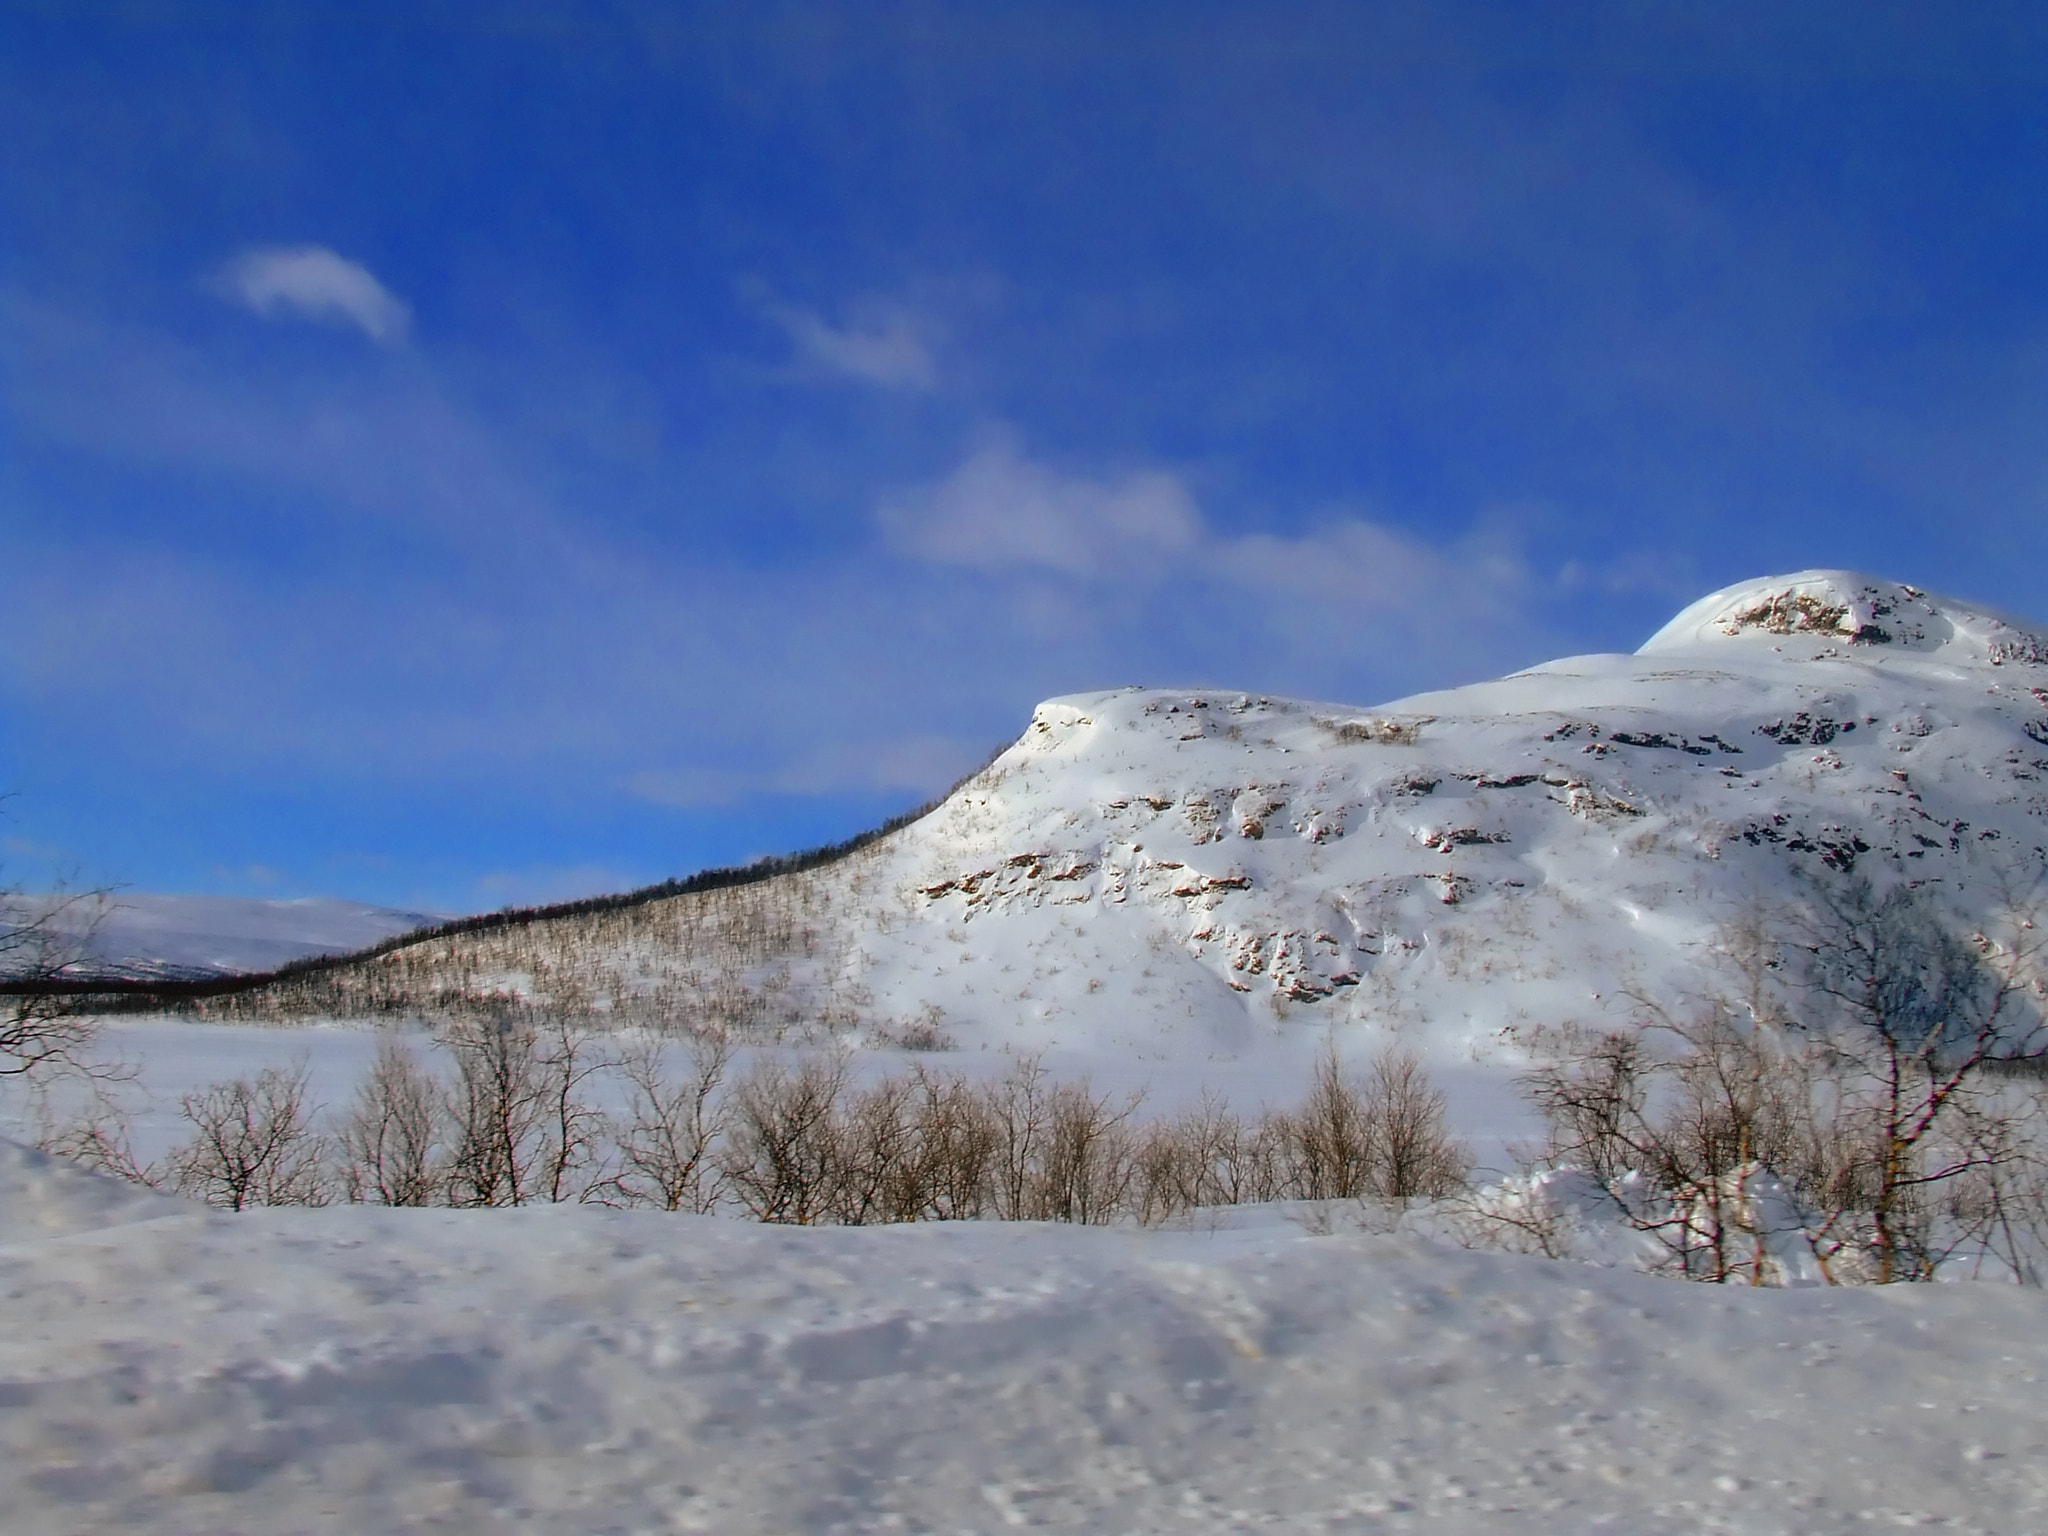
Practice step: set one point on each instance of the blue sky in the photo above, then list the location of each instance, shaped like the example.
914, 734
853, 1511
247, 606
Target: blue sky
457, 455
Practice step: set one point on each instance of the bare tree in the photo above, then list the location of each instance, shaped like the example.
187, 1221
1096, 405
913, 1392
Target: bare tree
782, 1155
566, 1060
1916, 1016
958, 1139
499, 1108
44, 1025
1333, 1135
1089, 1163
254, 1144
1417, 1157
665, 1140
391, 1144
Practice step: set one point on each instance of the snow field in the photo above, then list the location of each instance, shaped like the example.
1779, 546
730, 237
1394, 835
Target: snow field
576, 1369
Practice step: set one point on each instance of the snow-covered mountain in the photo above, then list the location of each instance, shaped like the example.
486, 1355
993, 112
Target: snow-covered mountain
1160, 872
146, 934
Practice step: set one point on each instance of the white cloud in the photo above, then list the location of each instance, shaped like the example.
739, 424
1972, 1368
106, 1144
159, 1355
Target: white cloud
313, 283
880, 345
1126, 564
550, 653
999, 510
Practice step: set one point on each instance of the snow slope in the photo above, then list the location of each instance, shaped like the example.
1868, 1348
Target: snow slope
572, 1369
144, 933
1213, 875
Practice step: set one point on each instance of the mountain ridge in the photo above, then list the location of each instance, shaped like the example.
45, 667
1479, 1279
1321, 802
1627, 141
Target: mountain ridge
1166, 871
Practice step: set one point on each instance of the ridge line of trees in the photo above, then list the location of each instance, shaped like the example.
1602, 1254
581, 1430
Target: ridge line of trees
106, 992
505, 1117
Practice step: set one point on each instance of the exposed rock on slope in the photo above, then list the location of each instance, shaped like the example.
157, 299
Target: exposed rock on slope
1165, 871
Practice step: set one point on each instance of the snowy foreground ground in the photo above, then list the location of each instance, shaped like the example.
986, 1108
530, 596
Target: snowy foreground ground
169, 1368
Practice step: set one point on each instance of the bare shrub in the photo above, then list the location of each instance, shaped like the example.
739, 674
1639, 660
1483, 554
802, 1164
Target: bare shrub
665, 1140
1699, 1132
926, 1032
1382, 1137
1414, 1154
254, 1144
877, 1168
392, 1142
1208, 1156
1089, 1161
781, 1155
795, 1141
1019, 1106
98, 1135
958, 1139
1383, 732
1061, 1152
1331, 1135
523, 1131
1999, 1208
1520, 1215
1878, 1133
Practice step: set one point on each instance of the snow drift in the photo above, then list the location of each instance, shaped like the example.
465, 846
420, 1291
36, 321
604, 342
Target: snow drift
576, 1369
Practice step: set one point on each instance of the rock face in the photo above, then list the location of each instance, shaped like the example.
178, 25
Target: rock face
1168, 872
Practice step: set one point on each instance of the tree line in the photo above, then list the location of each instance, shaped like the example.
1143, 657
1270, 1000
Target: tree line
512, 1119
1860, 1099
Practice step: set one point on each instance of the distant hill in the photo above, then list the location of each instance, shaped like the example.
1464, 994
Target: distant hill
1165, 872
143, 934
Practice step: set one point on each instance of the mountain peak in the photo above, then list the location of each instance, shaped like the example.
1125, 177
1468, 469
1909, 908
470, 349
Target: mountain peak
1834, 608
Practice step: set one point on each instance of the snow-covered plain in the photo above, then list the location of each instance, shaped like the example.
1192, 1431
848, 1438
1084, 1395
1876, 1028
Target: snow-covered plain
1171, 890
169, 1368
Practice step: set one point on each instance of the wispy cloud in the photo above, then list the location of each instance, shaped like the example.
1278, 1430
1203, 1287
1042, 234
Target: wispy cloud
880, 344
1130, 552
310, 282
999, 510
527, 650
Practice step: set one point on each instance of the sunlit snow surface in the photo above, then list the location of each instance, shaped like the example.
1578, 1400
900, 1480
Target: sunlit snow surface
576, 1370
1203, 873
